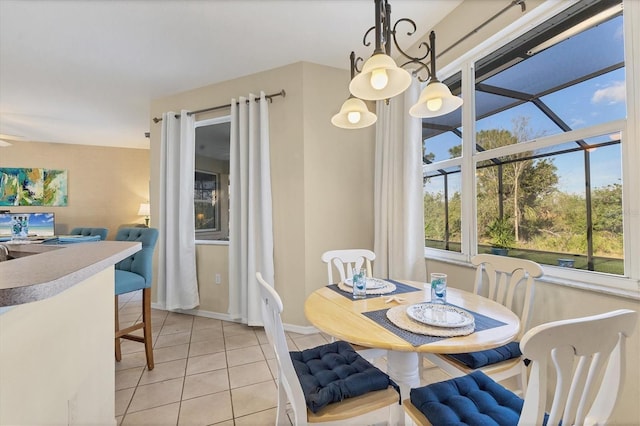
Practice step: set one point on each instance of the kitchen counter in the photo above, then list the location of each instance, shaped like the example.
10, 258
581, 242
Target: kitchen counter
40, 271
57, 319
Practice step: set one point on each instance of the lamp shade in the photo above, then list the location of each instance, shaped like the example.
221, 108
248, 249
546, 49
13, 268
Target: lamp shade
380, 79
435, 100
144, 209
354, 114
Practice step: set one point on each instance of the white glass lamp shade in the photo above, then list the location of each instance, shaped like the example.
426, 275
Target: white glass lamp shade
144, 209
354, 114
382, 72
435, 100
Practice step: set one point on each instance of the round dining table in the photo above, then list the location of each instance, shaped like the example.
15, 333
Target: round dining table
337, 314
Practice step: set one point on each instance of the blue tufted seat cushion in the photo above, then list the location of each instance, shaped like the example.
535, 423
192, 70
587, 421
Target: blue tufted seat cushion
474, 399
333, 372
126, 282
476, 360
90, 232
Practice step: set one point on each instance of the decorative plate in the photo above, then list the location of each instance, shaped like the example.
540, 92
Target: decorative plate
439, 315
372, 283
398, 316
386, 289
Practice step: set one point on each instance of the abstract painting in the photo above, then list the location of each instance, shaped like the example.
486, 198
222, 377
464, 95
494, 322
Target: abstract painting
33, 187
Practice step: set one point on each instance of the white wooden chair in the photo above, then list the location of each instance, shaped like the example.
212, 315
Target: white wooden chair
289, 387
587, 356
343, 261
505, 277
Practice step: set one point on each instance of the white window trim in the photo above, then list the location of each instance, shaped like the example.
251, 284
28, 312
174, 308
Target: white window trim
212, 243
625, 286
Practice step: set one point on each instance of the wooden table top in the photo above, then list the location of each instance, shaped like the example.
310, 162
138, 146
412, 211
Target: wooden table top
341, 317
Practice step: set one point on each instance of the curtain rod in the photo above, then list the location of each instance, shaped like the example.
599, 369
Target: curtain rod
215, 108
522, 5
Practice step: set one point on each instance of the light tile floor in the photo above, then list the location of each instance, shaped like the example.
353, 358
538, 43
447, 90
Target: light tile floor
207, 371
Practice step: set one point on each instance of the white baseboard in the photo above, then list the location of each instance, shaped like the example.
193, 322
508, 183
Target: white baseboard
225, 317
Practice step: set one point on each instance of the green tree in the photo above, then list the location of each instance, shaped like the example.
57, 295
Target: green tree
543, 218
538, 181
606, 209
434, 216
525, 182
455, 217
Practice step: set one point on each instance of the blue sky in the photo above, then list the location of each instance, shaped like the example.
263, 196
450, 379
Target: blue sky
595, 101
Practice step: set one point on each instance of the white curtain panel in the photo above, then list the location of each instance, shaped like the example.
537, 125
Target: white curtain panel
177, 280
398, 197
251, 224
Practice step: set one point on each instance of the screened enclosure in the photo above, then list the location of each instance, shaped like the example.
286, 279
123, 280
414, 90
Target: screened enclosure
549, 111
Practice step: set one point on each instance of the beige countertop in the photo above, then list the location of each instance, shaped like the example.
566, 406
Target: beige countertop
40, 271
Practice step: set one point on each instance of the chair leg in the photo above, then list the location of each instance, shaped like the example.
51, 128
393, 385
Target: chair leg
145, 325
117, 339
523, 380
146, 318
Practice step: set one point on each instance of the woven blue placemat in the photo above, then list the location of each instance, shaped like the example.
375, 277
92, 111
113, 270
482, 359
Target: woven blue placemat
400, 288
482, 322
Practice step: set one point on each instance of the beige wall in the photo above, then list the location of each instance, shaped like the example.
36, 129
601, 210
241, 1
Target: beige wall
316, 170
338, 175
212, 260
105, 185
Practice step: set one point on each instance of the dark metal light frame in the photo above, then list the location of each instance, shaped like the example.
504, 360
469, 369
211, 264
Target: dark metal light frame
384, 34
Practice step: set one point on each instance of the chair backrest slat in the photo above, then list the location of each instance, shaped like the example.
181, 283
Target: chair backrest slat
588, 358
505, 276
344, 261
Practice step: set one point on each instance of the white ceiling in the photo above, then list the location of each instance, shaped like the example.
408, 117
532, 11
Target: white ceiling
85, 72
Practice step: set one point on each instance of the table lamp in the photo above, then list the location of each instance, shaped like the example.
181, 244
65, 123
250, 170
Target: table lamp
145, 211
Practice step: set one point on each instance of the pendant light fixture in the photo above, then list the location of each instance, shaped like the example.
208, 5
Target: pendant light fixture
381, 78
354, 113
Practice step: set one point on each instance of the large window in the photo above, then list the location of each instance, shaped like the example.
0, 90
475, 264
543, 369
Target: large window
545, 180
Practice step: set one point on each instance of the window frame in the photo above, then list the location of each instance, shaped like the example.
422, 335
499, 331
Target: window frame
627, 284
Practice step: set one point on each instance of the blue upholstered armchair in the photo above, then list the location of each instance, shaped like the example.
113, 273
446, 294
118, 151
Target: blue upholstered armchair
135, 273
